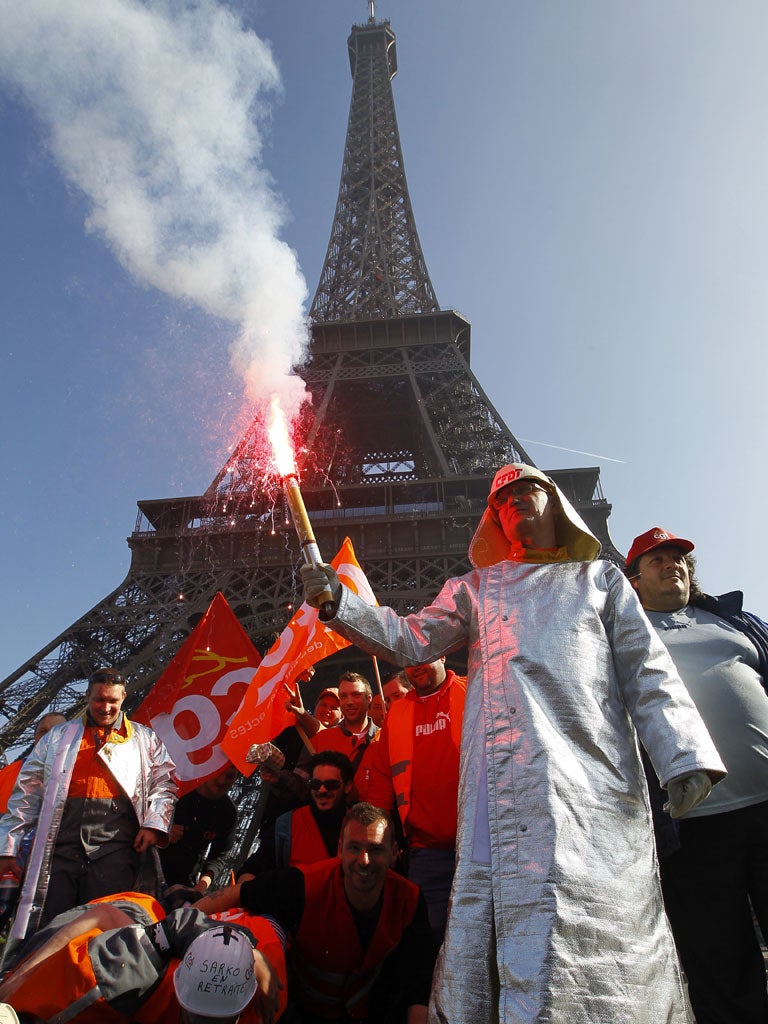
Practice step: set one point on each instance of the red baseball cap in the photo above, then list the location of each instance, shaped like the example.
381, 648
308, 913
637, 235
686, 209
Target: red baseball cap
656, 538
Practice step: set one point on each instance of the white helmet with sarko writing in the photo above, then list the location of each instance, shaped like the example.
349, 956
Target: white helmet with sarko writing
215, 978
489, 545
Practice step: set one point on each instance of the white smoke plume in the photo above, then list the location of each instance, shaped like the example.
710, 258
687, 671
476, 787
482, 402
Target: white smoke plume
153, 110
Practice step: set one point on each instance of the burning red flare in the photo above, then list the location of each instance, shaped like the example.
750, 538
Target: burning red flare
286, 467
281, 440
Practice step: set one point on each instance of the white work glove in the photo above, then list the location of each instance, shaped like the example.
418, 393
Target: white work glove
686, 792
321, 586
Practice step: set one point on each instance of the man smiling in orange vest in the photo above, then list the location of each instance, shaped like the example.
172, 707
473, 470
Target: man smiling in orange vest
361, 944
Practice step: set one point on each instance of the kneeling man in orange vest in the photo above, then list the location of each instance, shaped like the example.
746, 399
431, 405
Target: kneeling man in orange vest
120, 959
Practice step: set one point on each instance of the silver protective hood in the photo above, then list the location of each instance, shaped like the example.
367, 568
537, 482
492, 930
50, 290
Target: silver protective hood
489, 545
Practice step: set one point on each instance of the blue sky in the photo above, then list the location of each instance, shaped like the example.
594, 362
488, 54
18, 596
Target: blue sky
588, 181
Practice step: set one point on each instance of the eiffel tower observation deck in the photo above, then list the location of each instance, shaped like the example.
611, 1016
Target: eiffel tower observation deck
397, 450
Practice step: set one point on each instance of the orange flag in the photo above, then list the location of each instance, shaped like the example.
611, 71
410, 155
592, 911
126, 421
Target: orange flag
193, 701
304, 641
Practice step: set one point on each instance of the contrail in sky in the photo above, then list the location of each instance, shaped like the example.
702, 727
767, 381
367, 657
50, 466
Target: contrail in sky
575, 451
154, 112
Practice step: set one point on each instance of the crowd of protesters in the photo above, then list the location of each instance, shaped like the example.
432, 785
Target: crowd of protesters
492, 848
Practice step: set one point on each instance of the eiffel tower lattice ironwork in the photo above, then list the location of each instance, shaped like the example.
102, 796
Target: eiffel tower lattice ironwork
396, 451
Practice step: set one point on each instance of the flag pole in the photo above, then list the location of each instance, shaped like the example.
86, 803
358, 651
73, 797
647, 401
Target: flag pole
376, 672
305, 739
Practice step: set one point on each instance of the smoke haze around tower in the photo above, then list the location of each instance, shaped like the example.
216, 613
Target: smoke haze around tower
155, 112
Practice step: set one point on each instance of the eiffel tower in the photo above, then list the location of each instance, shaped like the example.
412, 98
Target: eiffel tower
397, 450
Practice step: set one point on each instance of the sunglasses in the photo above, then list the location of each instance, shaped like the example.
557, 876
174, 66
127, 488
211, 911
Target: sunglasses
107, 676
498, 500
330, 784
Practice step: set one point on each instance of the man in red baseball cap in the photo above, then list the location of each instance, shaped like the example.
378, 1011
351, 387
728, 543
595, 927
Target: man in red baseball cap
715, 868
665, 570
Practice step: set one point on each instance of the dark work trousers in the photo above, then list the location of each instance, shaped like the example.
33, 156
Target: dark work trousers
708, 883
432, 871
76, 879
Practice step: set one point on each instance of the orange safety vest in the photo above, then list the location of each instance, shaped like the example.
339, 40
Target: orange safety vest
400, 738
306, 842
65, 980
334, 973
337, 738
65, 983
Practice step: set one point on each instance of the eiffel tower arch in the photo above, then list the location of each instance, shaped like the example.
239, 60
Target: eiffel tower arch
397, 449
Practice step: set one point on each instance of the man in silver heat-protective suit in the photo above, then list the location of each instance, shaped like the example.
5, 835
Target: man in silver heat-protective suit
98, 793
556, 912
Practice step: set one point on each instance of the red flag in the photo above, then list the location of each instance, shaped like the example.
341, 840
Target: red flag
304, 641
8, 776
193, 701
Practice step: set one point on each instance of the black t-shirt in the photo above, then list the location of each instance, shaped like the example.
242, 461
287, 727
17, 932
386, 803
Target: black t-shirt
205, 822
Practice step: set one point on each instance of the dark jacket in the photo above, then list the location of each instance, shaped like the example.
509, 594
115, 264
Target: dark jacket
729, 607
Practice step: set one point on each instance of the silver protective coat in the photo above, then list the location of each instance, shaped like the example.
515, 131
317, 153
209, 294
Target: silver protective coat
557, 913
140, 765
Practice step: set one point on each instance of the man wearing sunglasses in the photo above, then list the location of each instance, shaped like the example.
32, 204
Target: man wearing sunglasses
309, 833
556, 891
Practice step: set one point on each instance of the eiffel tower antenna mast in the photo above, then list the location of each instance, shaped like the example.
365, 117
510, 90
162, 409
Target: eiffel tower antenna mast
374, 266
